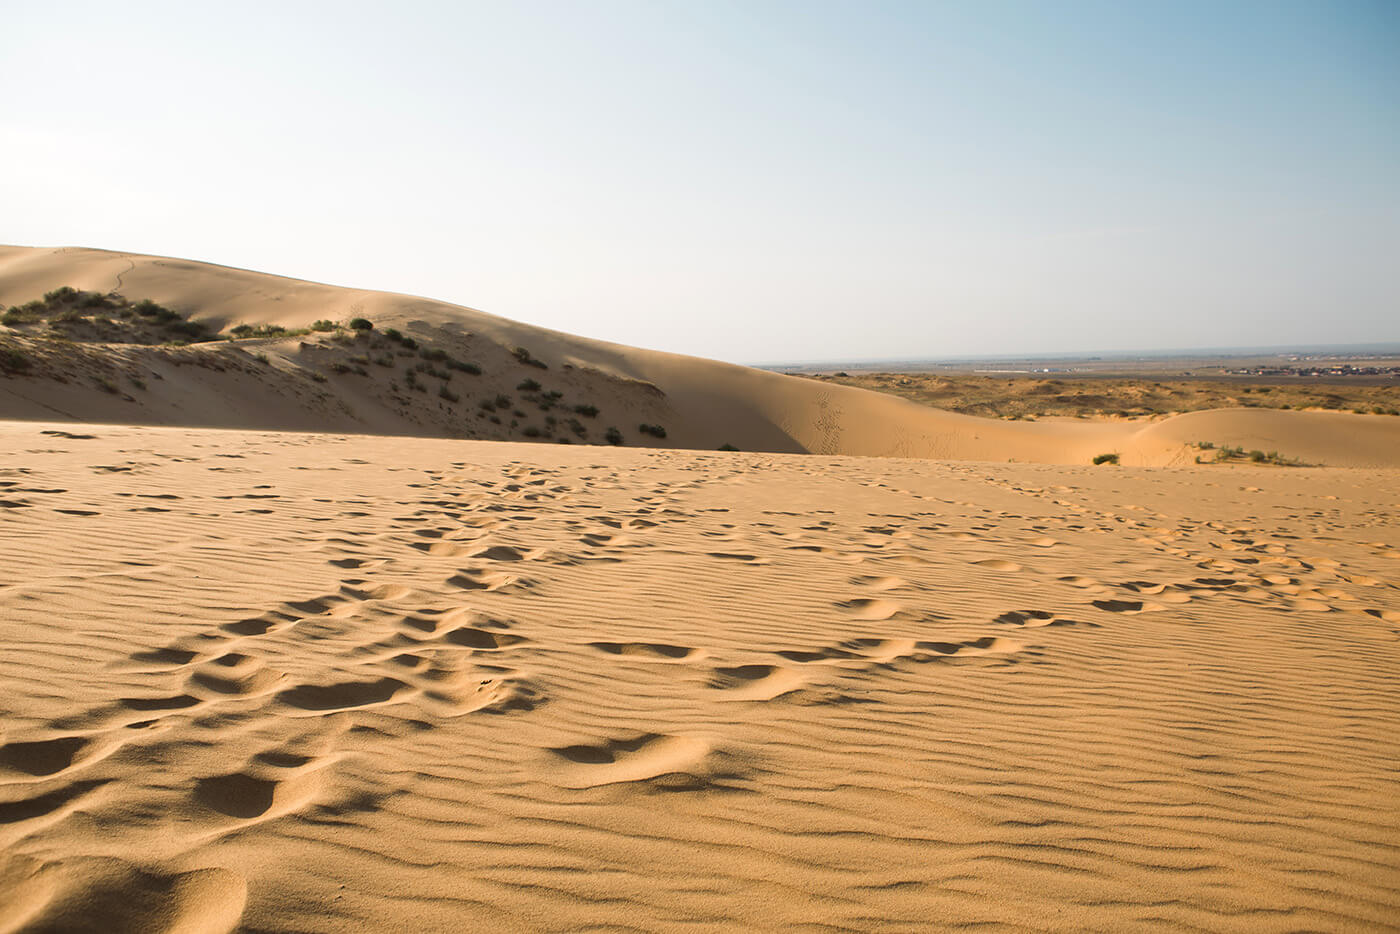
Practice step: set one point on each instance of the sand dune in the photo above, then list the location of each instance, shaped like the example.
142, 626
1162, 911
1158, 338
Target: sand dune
701, 404
321, 682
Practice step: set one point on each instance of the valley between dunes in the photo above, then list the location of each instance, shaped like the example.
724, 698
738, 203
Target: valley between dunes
289, 647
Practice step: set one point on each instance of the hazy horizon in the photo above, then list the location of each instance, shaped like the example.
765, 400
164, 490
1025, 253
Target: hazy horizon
752, 182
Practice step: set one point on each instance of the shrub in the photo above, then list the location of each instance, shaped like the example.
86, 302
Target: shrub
587, 411
727, 447
656, 431
502, 401
523, 355
1106, 459
530, 431
528, 385
1205, 445
461, 367
13, 361
434, 353
324, 325
106, 385
316, 377
61, 294
1259, 457
394, 334
361, 324
13, 317
384, 360
261, 358
613, 436
448, 394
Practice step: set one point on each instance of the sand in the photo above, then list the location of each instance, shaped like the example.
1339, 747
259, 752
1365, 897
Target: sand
293, 643
311, 382
275, 681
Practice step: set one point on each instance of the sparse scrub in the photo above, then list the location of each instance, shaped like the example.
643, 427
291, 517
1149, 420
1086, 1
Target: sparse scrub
14, 361
523, 355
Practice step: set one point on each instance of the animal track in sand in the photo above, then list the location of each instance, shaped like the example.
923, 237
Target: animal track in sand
639, 758
654, 651
756, 682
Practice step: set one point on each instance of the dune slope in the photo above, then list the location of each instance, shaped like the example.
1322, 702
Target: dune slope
314, 382
319, 682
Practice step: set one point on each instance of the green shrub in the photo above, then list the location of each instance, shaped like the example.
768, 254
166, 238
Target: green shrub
394, 334
13, 361
613, 436
530, 431
528, 385
106, 385
448, 394
434, 353
324, 325
727, 447
61, 294
461, 367
13, 317
587, 411
361, 324
523, 355
1258, 457
656, 431
1106, 459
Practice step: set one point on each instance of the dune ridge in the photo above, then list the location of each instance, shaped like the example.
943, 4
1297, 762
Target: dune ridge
702, 404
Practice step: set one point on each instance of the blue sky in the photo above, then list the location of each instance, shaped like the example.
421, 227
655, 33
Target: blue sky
754, 181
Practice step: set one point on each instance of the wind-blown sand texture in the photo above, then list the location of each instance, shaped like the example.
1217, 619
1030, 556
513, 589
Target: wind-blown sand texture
320, 682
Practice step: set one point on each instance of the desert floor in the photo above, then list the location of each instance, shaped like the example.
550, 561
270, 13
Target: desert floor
310, 682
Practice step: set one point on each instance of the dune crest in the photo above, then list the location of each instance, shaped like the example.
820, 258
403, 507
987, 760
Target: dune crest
368, 385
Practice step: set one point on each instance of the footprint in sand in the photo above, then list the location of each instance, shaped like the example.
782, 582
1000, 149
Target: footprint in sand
649, 651
638, 758
345, 695
1130, 607
42, 757
477, 579
109, 894
868, 608
756, 682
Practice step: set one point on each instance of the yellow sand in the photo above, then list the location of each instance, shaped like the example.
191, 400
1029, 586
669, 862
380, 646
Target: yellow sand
322, 682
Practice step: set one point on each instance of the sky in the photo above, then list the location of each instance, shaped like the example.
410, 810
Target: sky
754, 181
